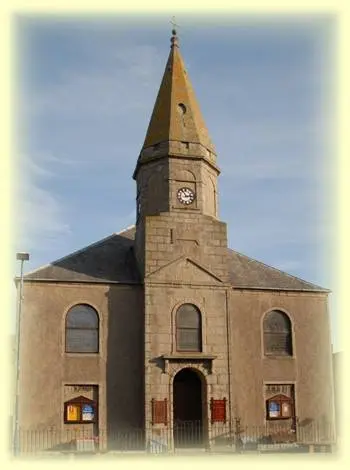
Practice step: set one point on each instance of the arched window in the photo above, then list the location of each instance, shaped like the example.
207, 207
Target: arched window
277, 334
188, 328
82, 325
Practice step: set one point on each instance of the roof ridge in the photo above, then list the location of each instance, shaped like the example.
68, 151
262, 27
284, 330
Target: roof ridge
278, 270
125, 229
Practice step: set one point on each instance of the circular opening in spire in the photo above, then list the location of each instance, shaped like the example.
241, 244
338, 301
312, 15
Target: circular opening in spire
182, 108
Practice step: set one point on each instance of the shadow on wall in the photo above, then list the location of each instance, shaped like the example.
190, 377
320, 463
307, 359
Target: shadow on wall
125, 360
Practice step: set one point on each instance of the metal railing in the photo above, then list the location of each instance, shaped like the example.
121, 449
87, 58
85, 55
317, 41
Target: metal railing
233, 437
188, 434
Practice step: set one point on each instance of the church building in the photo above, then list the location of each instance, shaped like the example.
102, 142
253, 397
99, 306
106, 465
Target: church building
164, 329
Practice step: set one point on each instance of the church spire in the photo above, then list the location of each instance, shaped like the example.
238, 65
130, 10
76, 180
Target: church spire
176, 116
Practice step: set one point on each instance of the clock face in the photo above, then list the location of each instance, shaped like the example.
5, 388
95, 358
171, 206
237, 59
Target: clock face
185, 196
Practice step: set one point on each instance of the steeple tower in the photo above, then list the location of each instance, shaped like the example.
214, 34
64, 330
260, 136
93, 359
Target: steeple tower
176, 126
176, 172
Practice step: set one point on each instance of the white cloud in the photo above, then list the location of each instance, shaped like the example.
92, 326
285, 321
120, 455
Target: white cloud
39, 216
113, 85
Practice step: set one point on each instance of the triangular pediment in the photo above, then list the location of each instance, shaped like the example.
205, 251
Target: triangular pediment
184, 271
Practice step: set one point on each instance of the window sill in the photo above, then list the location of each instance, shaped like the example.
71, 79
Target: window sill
79, 422
274, 356
279, 418
81, 354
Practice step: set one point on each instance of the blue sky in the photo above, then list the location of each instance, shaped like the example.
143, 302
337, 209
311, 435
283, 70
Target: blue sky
86, 89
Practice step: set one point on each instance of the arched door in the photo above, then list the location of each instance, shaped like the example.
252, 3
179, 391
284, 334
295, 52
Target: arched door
188, 409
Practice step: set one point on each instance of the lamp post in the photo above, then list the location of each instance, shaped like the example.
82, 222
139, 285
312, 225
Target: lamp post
20, 257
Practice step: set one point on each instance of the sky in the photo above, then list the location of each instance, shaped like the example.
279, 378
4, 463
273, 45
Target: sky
85, 90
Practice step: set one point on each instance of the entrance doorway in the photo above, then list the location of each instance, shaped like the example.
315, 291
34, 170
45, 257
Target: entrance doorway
188, 409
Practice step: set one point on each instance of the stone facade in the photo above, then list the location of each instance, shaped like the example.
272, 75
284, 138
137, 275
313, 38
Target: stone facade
46, 369
136, 281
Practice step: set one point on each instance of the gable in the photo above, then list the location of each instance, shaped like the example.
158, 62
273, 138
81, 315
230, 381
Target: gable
184, 271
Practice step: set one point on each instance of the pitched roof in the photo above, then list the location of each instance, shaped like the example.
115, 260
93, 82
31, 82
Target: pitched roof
249, 273
109, 260
112, 260
176, 114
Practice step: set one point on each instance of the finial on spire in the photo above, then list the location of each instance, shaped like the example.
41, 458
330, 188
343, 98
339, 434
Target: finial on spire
174, 39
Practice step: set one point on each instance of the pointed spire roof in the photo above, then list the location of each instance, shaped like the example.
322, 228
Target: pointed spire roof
176, 115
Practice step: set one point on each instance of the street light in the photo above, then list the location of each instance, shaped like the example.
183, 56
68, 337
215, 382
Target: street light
22, 257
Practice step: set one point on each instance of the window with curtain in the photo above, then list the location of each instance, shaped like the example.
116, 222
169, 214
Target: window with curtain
188, 328
277, 334
82, 330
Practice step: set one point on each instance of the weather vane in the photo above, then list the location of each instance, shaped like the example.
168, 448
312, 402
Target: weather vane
174, 23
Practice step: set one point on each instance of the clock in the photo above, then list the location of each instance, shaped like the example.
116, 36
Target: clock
185, 196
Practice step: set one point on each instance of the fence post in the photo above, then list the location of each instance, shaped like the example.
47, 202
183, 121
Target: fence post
238, 439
